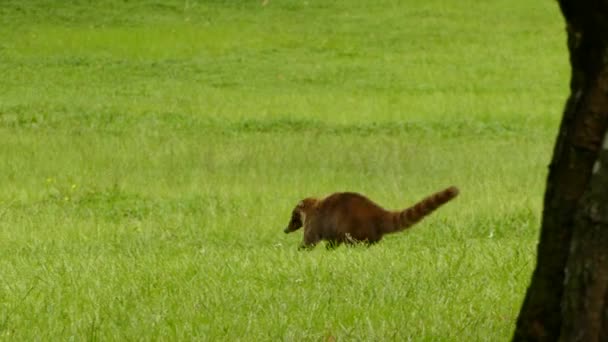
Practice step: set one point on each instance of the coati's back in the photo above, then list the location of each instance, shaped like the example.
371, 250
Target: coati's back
348, 216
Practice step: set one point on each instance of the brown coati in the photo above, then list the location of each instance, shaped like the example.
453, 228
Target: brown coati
347, 217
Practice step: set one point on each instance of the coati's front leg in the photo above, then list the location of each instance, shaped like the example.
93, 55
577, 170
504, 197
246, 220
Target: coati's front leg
311, 238
303, 246
332, 244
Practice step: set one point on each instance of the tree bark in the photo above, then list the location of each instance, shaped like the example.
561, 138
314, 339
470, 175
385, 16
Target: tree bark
586, 283
571, 272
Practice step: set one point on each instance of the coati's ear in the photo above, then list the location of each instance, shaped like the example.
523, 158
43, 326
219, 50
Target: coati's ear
300, 204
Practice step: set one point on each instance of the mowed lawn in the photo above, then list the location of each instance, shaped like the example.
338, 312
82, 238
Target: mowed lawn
151, 153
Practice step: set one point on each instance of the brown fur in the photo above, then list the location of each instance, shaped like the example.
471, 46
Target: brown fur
347, 217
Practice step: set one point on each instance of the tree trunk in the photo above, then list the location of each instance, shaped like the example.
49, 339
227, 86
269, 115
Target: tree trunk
565, 299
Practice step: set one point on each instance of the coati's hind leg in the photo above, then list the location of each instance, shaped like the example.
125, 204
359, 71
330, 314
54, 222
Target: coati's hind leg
372, 241
349, 241
358, 243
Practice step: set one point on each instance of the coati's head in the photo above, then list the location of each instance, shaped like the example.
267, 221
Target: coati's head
299, 213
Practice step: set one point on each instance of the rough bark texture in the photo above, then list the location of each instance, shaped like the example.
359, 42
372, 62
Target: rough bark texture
586, 283
568, 222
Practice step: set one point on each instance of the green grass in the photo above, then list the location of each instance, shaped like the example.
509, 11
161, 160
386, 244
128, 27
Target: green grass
151, 153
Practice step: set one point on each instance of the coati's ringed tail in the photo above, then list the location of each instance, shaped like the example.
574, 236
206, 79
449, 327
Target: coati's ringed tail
418, 211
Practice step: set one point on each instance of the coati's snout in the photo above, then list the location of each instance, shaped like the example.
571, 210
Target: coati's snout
295, 223
300, 213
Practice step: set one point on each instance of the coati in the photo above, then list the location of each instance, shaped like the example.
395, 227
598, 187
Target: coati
348, 217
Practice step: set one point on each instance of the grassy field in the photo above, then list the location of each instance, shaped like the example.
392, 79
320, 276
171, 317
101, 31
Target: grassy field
151, 153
